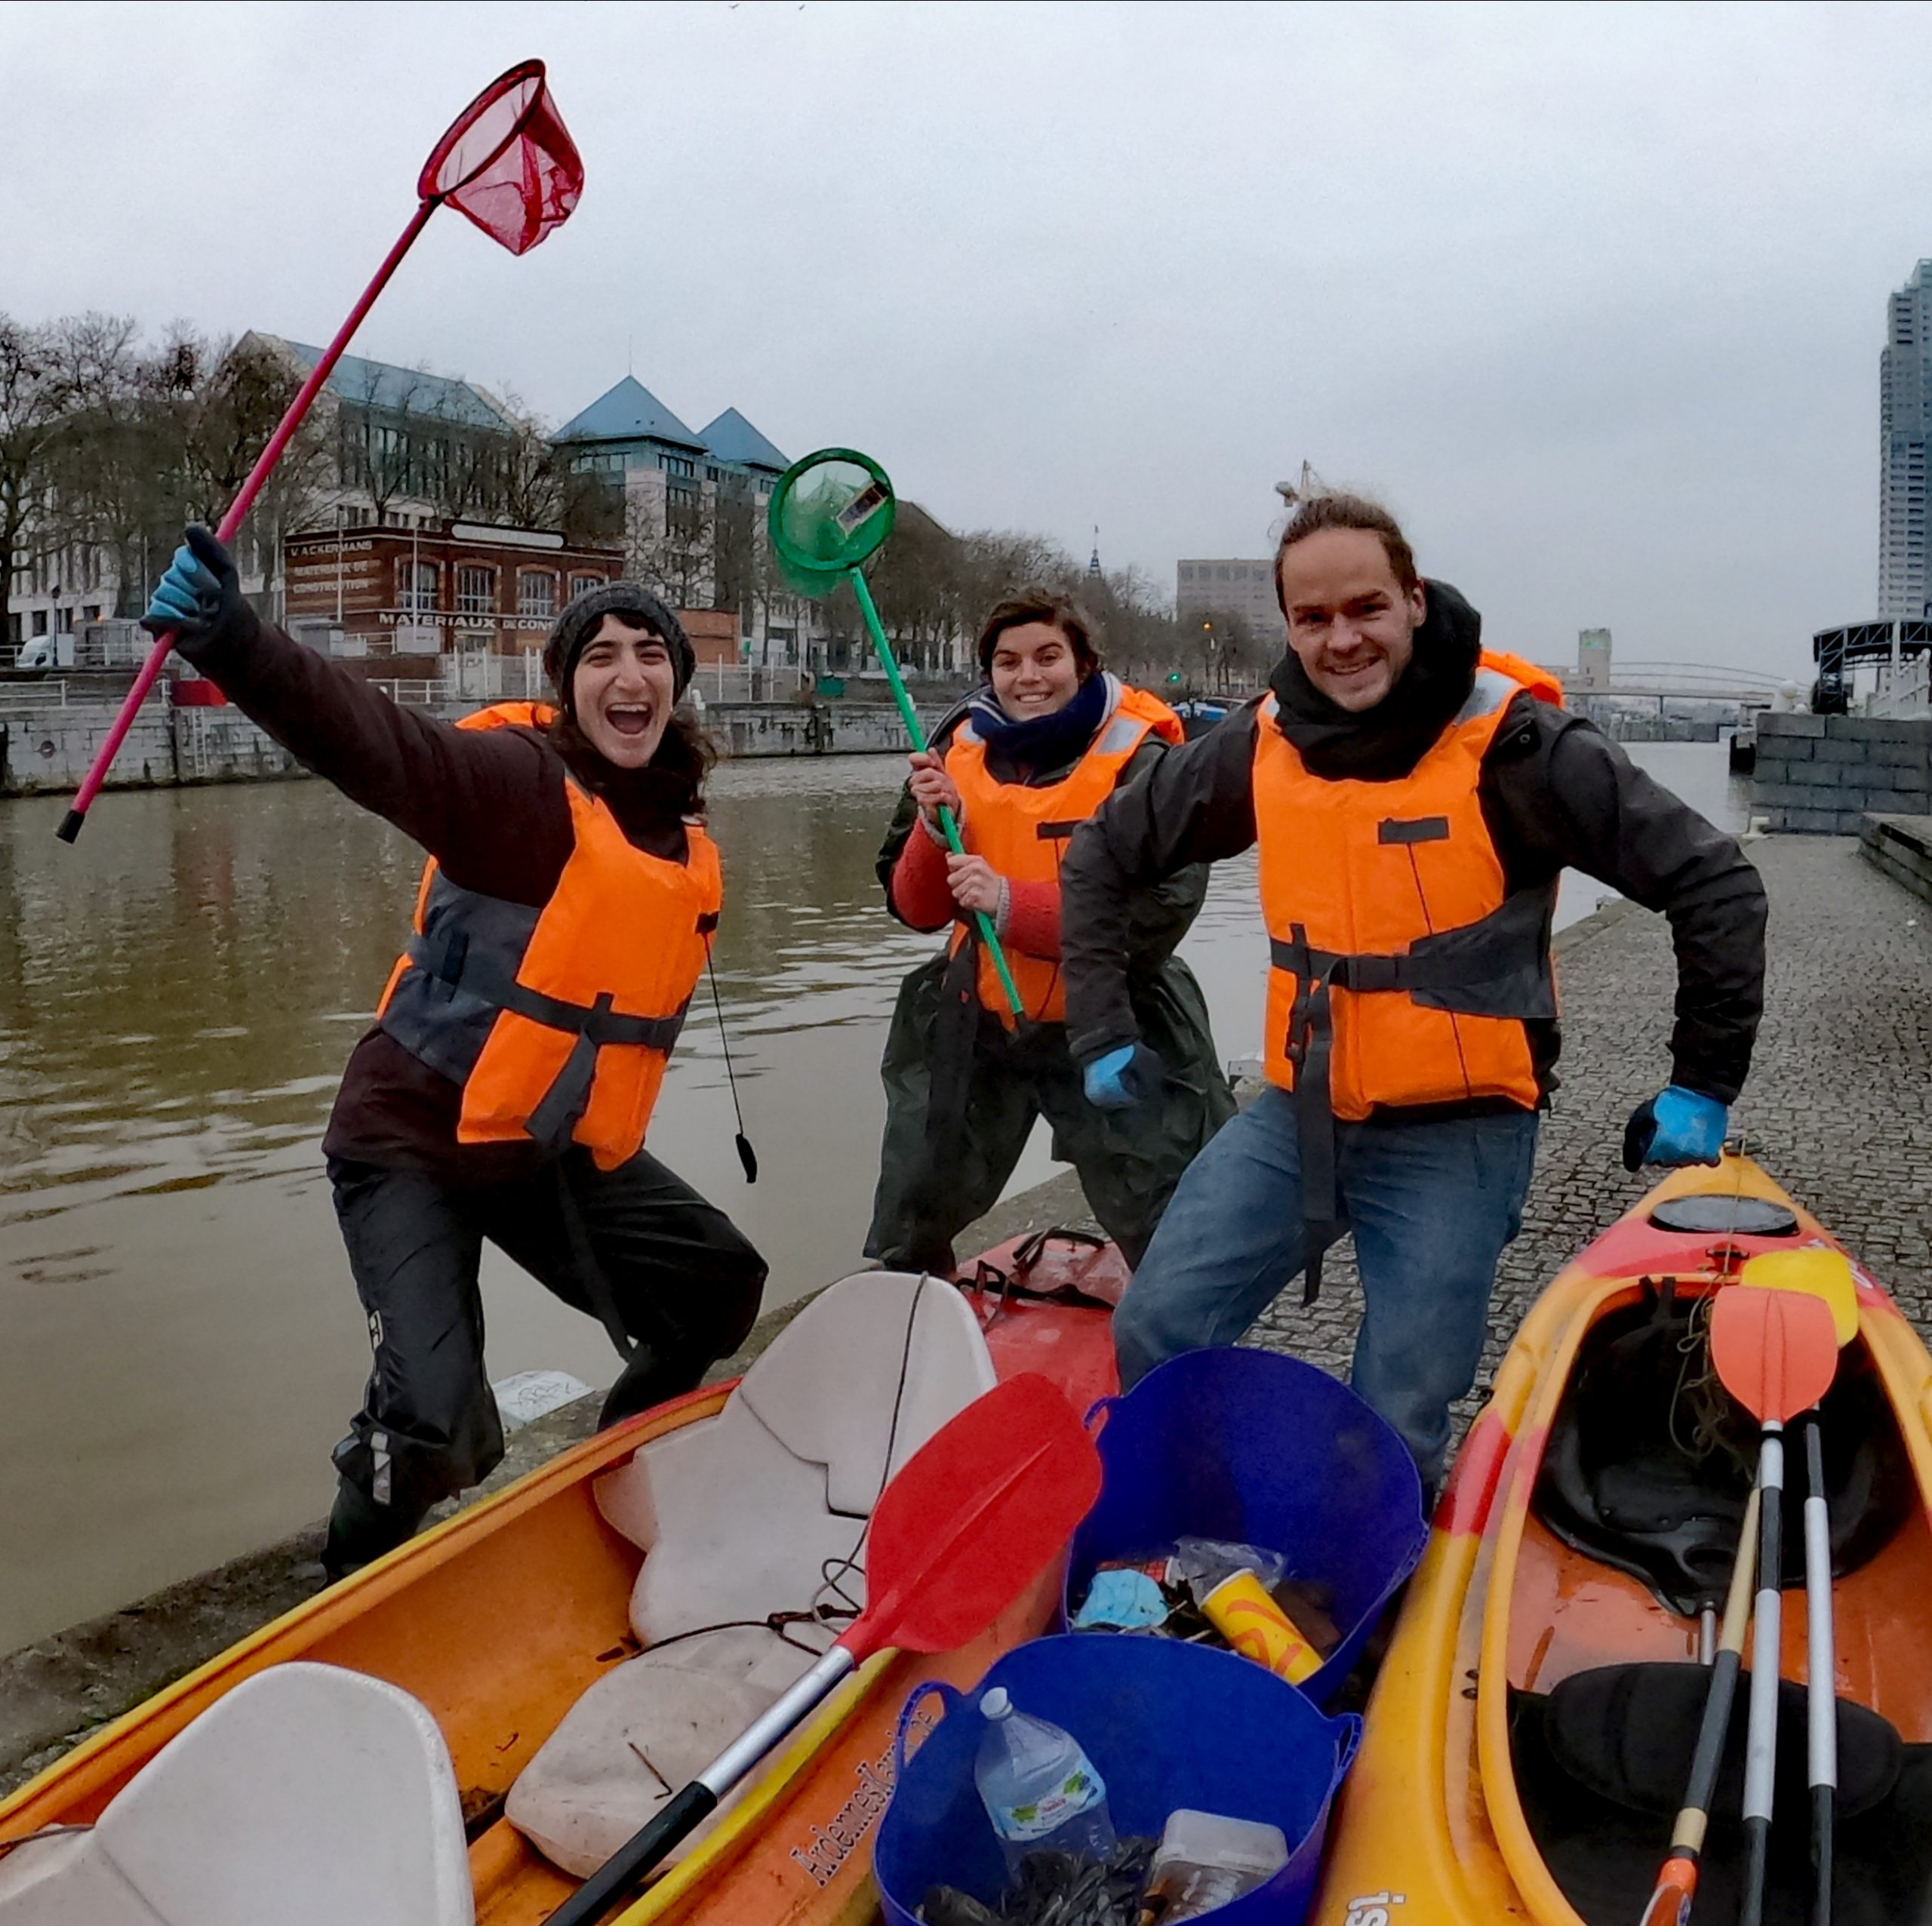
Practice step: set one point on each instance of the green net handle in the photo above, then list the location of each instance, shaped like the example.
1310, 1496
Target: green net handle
947, 822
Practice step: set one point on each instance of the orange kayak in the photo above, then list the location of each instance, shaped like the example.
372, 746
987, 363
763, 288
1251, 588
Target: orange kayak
498, 1620
1512, 1768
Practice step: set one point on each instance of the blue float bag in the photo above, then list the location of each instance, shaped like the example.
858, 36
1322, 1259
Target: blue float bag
1264, 1451
1166, 1725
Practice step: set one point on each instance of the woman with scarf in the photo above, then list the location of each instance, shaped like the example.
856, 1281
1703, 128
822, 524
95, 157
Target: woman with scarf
1022, 763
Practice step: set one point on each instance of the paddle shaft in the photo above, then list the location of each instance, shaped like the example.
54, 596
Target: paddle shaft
1670, 1903
996, 1499
1821, 1657
692, 1806
949, 824
1761, 1744
237, 511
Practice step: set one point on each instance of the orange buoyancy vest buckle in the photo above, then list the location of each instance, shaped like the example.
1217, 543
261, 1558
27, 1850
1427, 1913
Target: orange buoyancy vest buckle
449, 960
1496, 967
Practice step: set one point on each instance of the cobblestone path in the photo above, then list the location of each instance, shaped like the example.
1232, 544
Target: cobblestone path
1839, 1100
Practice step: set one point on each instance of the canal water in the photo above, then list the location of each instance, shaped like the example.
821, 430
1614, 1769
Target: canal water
180, 1342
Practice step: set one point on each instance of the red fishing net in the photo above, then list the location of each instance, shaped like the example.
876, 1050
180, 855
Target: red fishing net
508, 163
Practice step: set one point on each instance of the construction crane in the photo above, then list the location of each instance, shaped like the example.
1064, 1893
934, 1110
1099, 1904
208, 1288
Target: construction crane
1306, 488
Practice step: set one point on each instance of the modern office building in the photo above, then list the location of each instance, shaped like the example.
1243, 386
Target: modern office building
1224, 586
1905, 426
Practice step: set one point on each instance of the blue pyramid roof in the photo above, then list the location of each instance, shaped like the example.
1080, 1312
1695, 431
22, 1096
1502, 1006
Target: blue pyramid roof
731, 438
629, 412
393, 390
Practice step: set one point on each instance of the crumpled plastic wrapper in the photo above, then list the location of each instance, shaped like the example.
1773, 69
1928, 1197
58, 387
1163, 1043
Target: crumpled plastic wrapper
1055, 1889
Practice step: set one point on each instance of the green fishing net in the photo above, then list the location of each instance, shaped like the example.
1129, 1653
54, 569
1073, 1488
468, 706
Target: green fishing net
829, 513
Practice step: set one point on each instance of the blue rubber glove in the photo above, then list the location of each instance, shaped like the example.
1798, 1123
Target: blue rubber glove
200, 591
1123, 1077
1677, 1126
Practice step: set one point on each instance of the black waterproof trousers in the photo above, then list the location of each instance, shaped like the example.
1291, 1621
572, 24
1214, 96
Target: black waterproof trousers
962, 1093
634, 1246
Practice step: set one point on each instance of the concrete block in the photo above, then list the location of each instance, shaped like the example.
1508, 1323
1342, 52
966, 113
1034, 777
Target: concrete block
1895, 775
1842, 748
1785, 748
1878, 729
1820, 775
1890, 802
1779, 795
1822, 821
1774, 723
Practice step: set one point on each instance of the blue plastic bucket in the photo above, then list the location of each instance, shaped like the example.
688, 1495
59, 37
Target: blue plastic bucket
1265, 1450
1166, 1725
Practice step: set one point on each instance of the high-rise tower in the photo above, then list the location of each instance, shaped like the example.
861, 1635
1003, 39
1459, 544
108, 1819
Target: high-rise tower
1905, 427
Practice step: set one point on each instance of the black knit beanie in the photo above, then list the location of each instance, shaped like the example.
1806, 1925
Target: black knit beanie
583, 616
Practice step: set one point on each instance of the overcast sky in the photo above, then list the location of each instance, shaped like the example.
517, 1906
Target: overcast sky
1593, 297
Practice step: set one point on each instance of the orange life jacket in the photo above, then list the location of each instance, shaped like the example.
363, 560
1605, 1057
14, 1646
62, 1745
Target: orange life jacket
558, 1022
1402, 973
1022, 831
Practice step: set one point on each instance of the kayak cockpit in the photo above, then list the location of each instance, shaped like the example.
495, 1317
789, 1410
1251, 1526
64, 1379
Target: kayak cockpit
1649, 1462
753, 1526
1610, 1568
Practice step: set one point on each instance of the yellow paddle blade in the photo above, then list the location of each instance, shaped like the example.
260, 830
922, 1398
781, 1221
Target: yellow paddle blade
1816, 1272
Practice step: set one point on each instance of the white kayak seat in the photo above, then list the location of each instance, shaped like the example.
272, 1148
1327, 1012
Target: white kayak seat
639, 1735
309, 1795
741, 1515
830, 1387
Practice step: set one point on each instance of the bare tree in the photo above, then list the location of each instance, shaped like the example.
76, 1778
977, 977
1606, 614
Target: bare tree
669, 546
170, 439
48, 374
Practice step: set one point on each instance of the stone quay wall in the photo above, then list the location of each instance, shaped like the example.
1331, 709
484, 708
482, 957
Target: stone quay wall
48, 752
1820, 775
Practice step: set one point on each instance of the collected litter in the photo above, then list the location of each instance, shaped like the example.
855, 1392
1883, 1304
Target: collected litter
1040, 1790
1206, 1861
1056, 1889
1210, 1591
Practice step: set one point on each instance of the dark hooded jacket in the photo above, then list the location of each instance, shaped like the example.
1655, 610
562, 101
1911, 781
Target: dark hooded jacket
1555, 795
492, 806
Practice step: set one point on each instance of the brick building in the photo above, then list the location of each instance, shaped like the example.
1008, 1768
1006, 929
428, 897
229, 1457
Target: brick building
460, 602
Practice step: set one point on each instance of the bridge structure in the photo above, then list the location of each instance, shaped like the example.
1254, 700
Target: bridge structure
1747, 690
1900, 650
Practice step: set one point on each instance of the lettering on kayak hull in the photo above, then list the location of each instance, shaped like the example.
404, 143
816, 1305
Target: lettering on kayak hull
834, 1843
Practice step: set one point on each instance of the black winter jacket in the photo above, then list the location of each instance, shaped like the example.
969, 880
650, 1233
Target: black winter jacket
1554, 794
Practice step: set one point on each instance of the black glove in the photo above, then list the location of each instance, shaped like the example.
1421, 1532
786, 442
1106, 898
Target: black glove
200, 594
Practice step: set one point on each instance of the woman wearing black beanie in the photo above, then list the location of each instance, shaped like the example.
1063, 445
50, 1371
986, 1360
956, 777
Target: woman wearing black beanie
503, 1092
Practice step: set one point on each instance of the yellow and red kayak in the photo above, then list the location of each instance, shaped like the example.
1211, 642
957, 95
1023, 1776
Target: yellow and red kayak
498, 1620
1552, 1557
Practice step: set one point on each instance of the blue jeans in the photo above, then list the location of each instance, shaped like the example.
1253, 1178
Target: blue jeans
1431, 1204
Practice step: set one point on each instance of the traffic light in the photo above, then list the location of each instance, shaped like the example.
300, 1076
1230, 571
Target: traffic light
1174, 675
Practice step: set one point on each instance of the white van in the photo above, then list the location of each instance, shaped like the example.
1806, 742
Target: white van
46, 652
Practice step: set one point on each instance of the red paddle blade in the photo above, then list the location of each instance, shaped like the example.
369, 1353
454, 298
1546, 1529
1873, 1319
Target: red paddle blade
1776, 1351
508, 163
973, 1517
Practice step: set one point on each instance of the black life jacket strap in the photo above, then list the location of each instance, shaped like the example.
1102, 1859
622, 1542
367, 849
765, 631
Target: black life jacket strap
451, 962
1498, 966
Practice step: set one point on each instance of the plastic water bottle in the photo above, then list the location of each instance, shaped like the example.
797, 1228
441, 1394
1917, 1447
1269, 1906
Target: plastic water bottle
1039, 1788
